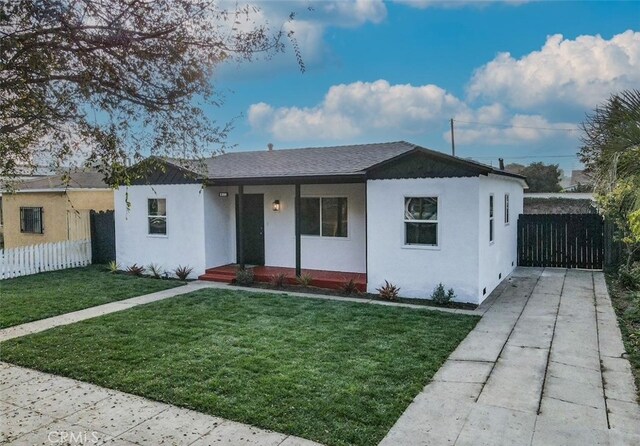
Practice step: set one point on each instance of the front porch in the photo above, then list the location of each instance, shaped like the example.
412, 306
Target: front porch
332, 280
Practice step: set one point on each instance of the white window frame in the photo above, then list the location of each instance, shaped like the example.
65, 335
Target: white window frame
166, 222
405, 245
507, 217
492, 217
330, 237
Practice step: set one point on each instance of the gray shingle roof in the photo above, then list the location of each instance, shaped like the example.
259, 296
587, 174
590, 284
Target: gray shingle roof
338, 160
333, 161
77, 180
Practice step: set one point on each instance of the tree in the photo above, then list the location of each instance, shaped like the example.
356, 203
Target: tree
611, 152
118, 79
540, 177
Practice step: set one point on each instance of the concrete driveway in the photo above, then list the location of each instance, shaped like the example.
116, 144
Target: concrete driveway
544, 366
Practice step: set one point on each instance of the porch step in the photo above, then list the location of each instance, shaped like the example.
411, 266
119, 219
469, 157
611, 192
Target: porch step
217, 277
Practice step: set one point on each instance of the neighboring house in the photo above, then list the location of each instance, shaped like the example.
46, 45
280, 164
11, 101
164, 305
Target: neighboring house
580, 180
390, 211
23, 173
51, 209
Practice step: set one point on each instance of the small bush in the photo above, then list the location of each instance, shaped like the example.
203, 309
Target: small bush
183, 272
155, 270
304, 279
113, 267
440, 297
278, 280
629, 276
135, 270
244, 277
388, 291
350, 287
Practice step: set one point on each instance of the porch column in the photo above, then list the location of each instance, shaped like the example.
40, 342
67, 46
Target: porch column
297, 229
240, 235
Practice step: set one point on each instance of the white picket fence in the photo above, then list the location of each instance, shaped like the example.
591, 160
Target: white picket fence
35, 259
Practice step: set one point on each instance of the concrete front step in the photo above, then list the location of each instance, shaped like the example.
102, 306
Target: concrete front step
217, 277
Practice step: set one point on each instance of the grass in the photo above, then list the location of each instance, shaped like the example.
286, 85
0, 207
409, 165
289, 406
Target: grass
627, 305
29, 298
335, 372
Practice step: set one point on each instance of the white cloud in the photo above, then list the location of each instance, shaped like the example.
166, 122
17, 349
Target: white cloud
493, 124
582, 72
351, 110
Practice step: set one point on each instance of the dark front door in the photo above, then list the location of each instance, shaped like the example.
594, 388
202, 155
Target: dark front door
253, 229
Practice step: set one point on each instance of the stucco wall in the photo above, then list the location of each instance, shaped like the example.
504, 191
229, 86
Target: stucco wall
499, 258
184, 243
56, 207
328, 253
418, 270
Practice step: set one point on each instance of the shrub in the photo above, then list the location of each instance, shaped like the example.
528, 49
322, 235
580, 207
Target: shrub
278, 280
135, 270
388, 291
304, 279
629, 276
183, 272
350, 287
440, 297
113, 267
155, 270
244, 277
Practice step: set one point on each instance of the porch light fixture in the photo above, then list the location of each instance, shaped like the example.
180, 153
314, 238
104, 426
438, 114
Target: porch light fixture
276, 206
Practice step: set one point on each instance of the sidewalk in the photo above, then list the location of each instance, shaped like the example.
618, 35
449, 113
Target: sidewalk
39, 408
543, 367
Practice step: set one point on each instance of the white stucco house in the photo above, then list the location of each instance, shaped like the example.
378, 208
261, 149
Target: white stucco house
388, 211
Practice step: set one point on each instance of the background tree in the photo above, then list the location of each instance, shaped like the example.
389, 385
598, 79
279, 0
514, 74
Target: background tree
541, 177
111, 79
611, 152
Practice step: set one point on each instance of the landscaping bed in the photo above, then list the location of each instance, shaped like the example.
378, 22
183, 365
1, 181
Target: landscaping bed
358, 295
39, 296
335, 372
626, 302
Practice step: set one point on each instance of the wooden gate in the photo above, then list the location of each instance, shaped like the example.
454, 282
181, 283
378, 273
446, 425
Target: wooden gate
561, 240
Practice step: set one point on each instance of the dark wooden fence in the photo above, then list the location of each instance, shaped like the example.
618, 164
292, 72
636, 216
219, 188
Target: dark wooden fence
103, 237
561, 240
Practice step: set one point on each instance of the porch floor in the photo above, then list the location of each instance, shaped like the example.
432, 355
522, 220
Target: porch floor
322, 279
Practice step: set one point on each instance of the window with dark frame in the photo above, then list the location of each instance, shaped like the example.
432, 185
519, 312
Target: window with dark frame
157, 216
421, 221
324, 216
506, 209
31, 220
491, 218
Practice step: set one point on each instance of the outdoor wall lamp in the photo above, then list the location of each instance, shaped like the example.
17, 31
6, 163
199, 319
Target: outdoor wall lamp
276, 206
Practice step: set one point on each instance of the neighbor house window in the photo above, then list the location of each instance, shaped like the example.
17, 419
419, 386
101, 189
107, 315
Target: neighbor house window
506, 209
31, 220
325, 217
490, 218
157, 216
421, 221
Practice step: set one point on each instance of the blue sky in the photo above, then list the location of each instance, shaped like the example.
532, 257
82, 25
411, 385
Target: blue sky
384, 71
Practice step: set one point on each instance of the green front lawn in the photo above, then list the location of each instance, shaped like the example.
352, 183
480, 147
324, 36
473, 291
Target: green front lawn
29, 298
335, 372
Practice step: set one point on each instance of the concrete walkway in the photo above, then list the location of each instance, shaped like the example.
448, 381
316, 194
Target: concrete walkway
41, 409
544, 366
